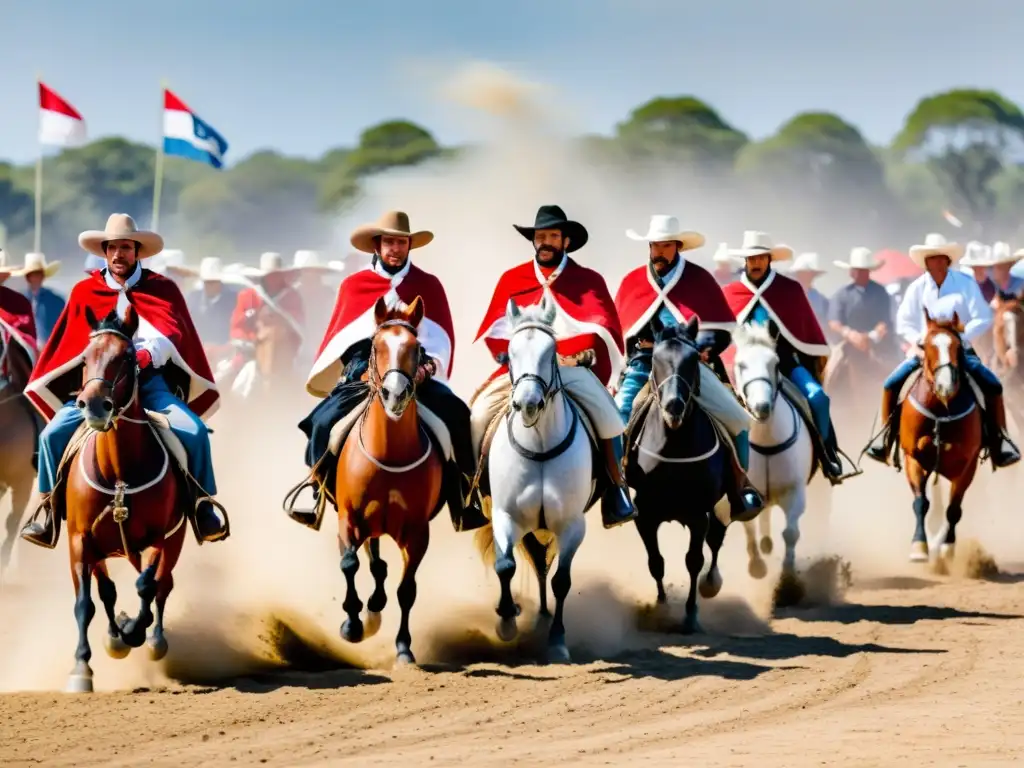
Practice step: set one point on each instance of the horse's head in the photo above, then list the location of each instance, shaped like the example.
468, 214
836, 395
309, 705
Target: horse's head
1008, 328
942, 347
532, 358
395, 355
110, 377
756, 368
675, 370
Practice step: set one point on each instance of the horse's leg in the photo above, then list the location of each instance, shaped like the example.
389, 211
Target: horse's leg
506, 534
569, 540
647, 526
352, 628
133, 631
918, 480
413, 551
116, 647
164, 584
694, 562
711, 584
538, 554
755, 564
954, 511
379, 598
764, 520
793, 503
20, 492
80, 680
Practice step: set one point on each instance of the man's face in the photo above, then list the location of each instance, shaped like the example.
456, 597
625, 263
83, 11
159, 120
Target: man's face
860, 276
35, 279
394, 251
212, 287
937, 267
805, 279
274, 282
1001, 272
980, 274
757, 266
549, 245
122, 256
664, 255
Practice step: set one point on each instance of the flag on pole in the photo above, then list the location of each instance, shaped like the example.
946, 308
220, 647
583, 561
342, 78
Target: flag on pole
60, 124
186, 135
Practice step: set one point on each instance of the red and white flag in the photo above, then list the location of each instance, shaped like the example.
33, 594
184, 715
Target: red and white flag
60, 124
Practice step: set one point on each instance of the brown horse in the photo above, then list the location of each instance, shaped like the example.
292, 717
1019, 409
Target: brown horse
940, 431
389, 476
1008, 345
276, 347
17, 442
122, 498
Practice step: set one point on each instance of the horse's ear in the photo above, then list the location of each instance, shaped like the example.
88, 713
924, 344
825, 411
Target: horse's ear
693, 327
548, 309
90, 318
414, 312
380, 311
130, 321
512, 311
928, 318
657, 327
773, 330
957, 324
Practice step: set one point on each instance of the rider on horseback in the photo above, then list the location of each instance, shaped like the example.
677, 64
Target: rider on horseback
762, 295
17, 324
960, 291
174, 379
338, 375
589, 342
674, 290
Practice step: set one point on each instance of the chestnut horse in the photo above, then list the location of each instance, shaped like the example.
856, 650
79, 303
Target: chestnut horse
18, 435
122, 498
1008, 344
389, 476
940, 431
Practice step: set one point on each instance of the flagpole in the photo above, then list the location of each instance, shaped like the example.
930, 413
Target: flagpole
158, 181
38, 240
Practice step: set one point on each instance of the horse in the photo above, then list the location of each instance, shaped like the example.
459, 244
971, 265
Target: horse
123, 498
677, 464
540, 470
1008, 341
389, 477
940, 432
782, 460
18, 435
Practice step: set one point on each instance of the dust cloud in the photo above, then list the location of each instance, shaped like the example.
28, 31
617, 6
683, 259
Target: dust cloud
270, 597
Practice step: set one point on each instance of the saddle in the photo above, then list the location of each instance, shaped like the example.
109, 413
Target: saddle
436, 428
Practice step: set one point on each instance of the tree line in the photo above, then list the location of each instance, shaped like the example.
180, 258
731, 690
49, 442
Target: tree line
960, 151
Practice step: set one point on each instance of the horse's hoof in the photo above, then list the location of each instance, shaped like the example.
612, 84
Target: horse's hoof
543, 621
757, 569
711, 584
405, 658
947, 551
371, 624
352, 630
691, 626
766, 545
116, 647
507, 630
157, 648
919, 552
80, 679
559, 654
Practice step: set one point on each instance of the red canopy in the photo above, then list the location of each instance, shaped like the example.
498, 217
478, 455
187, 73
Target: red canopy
898, 266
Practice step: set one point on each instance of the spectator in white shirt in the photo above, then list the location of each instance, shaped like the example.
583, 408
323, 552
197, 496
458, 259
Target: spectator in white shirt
944, 292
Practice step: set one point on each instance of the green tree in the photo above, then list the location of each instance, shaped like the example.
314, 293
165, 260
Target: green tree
966, 137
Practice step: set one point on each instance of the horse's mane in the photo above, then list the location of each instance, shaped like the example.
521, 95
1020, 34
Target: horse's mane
112, 322
754, 335
397, 313
534, 313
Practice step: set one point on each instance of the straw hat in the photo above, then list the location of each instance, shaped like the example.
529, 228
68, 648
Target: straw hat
807, 262
666, 229
725, 256
121, 226
36, 262
5, 270
1001, 254
270, 262
861, 258
394, 223
935, 244
977, 255
759, 244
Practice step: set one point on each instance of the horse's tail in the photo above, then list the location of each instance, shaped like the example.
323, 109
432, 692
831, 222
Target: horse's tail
483, 539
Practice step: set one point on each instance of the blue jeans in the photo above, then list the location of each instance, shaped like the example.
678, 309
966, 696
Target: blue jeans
977, 370
154, 396
638, 371
816, 398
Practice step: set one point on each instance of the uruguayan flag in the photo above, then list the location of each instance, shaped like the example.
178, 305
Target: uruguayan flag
186, 135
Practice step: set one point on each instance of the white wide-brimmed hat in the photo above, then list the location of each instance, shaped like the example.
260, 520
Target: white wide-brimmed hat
807, 262
861, 258
666, 229
935, 244
1001, 254
5, 270
270, 262
724, 255
757, 243
171, 261
36, 262
211, 270
121, 226
310, 261
976, 255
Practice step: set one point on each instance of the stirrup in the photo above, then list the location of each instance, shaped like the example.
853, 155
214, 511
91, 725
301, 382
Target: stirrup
194, 519
311, 518
43, 505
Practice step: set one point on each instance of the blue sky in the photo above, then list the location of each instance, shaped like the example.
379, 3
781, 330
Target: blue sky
302, 76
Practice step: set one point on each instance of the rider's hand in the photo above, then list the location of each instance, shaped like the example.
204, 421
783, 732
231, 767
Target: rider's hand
143, 358
917, 351
705, 355
860, 340
425, 371
881, 330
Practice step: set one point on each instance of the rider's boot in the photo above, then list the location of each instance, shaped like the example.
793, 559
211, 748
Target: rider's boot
466, 516
44, 533
881, 447
832, 463
1001, 449
211, 520
616, 505
744, 500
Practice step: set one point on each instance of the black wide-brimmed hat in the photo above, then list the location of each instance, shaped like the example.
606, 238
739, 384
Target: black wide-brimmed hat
553, 217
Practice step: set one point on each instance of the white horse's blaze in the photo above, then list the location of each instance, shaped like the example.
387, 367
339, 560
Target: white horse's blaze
943, 342
1010, 330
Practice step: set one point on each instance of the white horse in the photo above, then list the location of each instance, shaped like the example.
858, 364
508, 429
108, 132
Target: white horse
781, 451
540, 474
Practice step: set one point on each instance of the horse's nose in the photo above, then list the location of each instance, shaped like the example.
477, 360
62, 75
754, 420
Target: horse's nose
108, 405
386, 393
760, 411
674, 407
516, 405
80, 405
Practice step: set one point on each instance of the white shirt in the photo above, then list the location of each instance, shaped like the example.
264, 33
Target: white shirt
147, 337
959, 293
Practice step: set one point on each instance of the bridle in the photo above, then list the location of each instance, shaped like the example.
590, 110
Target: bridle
123, 371
771, 381
377, 379
952, 365
691, 390
549, 388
